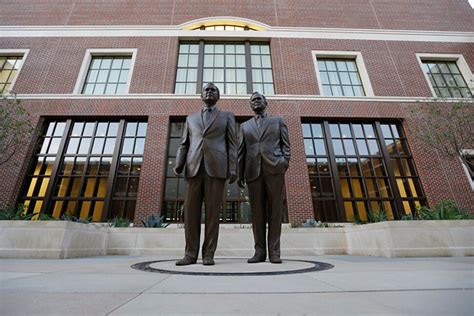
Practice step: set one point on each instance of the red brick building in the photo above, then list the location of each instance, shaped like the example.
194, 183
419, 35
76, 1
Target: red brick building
108, 84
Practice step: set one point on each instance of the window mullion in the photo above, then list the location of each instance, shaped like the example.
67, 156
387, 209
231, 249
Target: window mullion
200, 67
80, 197
113, 169
446, 82
335, 173
248, 66
340, 79
54, 171
361, 176
391, 176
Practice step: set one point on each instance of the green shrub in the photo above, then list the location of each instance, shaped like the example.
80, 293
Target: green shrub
309, 223
119, 222
408, 217
70, 218
444, 210
314, 223
376, 216
155, 222
45, 217
11, 213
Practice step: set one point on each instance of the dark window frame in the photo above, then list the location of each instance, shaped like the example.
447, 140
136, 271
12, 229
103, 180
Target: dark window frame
107, 83
337, 63
444, 78
6, 86
200, 67
48, 198
226, 27
468, 155
396, 199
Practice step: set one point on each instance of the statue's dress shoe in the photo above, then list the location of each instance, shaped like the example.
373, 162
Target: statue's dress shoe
185, 261
275, 260
256, 259
208, 261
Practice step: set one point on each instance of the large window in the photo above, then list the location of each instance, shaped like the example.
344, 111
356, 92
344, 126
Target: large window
107, 75
357, 168
340, 77
446, 79
9, 67
235, 209
86, 169
468, 165
106, 71
448, 75
235, 67
341, 74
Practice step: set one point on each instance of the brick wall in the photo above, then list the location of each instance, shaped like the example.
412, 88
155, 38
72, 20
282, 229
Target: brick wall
53, 65
440, 15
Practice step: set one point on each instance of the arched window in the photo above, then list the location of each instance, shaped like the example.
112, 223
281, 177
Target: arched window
224, 23
224, 27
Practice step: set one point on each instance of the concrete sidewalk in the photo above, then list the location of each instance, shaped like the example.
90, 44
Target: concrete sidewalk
355, 286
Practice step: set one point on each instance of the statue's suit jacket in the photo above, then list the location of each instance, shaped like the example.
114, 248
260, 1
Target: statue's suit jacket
214, 144
270, 145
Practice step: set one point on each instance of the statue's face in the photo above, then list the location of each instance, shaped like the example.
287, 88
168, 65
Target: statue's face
210, 94
258, 103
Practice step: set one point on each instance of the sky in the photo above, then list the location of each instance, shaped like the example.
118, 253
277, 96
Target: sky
472, 3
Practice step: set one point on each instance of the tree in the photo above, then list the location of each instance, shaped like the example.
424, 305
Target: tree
448, 128
15, 127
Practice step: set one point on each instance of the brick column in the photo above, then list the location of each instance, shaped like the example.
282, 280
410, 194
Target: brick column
298, 191
152, 177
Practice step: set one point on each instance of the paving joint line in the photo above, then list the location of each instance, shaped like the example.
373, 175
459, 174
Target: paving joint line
140, 293
313, 292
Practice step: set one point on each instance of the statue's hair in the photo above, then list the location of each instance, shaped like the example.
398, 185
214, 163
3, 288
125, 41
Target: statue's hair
256, 92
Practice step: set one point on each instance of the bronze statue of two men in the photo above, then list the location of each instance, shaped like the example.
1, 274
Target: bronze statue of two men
209, 153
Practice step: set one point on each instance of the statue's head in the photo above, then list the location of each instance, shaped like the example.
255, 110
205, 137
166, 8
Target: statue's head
258, 102
210, 94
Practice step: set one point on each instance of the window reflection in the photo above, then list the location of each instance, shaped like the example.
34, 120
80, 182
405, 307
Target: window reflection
128, 171
340, 77
235, 205
361, 171
107, 75
225, 64
84, 170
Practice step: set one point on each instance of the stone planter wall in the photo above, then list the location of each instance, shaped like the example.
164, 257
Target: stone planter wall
145, 241
411, 239
59, 240
51, 240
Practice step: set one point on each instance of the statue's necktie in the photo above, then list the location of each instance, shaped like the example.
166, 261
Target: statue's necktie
259, 123
206, 116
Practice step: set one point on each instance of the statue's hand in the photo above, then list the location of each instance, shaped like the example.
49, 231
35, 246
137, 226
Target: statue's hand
241, 183
177, 171
232, 178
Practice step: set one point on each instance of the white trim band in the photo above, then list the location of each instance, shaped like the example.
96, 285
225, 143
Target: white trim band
280, 97
277, 32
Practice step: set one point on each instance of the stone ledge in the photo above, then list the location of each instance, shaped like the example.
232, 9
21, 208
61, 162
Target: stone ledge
60, 240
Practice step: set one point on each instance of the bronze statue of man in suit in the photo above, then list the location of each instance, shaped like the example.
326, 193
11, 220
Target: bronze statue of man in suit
208, 152
263, 157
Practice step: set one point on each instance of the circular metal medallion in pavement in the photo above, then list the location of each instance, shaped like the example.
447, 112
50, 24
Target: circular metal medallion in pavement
233, 267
